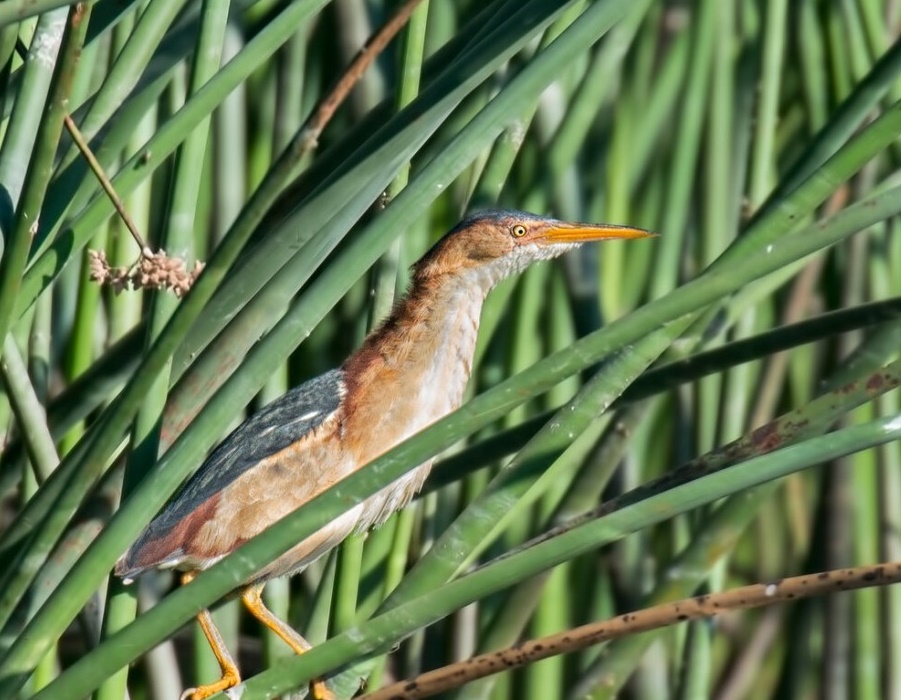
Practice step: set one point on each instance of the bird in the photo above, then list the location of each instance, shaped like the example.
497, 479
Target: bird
409, 372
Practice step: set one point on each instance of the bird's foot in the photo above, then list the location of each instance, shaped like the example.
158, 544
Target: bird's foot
228, 680
319, 691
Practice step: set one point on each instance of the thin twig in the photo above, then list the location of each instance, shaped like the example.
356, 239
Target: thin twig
275, 194
98, 171
307, 136
699, 607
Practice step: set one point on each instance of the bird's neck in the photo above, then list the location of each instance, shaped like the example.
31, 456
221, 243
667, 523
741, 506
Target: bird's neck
415, 367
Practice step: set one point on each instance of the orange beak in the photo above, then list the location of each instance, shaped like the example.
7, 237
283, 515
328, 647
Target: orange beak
560, 232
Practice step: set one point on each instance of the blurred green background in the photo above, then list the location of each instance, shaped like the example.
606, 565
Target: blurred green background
760, 138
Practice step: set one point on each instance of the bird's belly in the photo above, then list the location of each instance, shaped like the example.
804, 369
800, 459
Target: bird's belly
425, 381
310, 549
379, 507
411, 409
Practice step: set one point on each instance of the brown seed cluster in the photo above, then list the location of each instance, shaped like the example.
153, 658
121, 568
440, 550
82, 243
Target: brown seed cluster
151, 271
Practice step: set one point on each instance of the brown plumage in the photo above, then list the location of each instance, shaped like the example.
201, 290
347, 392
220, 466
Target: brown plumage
408, 373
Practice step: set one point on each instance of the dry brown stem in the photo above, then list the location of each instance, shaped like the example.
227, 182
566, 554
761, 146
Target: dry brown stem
656, 617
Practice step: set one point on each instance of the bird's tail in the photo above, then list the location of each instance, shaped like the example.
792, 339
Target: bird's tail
144, 555
127, 568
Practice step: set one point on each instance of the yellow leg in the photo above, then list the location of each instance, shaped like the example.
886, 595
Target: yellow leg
230, 675
254, 602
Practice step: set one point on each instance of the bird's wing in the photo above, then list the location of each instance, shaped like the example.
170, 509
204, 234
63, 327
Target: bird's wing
281, 423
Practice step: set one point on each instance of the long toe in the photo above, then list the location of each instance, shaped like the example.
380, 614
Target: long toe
319, 691
205, 691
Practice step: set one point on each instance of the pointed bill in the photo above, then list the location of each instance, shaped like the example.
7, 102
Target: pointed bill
561, 232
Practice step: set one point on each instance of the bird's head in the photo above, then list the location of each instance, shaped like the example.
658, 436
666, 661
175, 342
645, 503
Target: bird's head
493, 245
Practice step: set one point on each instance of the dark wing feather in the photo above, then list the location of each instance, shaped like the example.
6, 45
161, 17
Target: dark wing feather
270, 430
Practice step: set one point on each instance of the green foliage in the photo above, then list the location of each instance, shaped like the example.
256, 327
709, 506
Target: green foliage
759, 138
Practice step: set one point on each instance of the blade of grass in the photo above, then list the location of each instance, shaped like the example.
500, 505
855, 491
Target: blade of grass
28, 208
18, 241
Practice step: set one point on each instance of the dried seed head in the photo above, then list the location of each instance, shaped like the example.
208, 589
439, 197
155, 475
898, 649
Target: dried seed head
153, 270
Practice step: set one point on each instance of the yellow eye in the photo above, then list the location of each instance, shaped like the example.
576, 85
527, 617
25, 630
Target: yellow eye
519, 230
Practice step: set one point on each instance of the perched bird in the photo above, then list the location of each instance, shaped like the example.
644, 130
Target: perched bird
408, 373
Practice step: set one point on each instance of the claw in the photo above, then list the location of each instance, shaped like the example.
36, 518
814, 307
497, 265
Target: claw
319, 691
